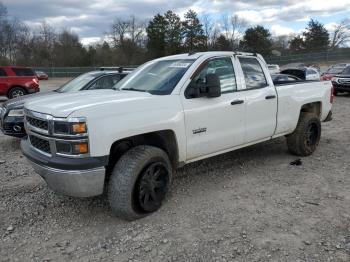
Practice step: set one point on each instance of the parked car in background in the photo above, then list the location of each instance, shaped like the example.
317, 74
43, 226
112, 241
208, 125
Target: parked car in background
280, 79
306, 73
332, 71
341, 82
42, 75
169, 112
17, 81
11, 112
274, 69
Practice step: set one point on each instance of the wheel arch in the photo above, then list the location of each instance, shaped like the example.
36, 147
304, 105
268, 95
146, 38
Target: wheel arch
313, 107
164, 139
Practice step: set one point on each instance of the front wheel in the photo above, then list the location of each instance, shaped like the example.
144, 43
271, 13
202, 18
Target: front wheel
306, 137
139, 182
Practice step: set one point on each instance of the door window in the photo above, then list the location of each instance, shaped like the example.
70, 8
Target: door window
106, 82
23, 71
2, 73
223, 68
253, 73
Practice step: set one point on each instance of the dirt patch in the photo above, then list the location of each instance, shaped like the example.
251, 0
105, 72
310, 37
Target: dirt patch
247, 205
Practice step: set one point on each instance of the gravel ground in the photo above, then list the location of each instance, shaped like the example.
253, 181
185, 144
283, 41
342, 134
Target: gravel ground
247, 205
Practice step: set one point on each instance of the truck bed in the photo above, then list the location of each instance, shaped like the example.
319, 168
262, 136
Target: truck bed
291, 97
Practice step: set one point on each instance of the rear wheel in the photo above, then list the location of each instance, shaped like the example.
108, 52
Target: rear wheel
16, 92
306, 137
139, 182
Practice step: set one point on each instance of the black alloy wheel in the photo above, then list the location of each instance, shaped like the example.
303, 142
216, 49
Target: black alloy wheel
312, 135
152, 187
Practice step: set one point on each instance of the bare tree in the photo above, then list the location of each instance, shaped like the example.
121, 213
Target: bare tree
233, 28
210, 29
281, 43
137, 31
119, 30
127, 31
341, 34
47, 39
238, 26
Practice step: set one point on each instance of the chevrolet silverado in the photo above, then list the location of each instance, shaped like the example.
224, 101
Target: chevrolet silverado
169, 112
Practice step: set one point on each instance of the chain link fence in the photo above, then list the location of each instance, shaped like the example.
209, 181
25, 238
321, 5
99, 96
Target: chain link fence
335, 56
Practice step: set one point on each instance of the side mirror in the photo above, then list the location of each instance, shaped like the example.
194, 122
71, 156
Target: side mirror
211, 88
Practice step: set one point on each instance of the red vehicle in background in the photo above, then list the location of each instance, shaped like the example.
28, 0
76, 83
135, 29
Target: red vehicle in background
17, 81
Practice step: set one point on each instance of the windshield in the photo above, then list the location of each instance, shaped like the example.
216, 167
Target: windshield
76, 84
346, 71
335, 70
158, 77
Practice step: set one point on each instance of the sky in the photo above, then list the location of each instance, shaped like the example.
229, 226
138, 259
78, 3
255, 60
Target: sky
91, 19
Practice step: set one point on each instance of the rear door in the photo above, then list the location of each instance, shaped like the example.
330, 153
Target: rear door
261, 100
214, 124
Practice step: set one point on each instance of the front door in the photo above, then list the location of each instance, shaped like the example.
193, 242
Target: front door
214, 124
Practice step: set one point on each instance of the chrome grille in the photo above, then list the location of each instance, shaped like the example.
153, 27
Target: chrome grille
344, 81
42, 124
40, 144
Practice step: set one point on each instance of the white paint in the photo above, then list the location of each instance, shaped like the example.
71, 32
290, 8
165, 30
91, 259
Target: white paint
114, 115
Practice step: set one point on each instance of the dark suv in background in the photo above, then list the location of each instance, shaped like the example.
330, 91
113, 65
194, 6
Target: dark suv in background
17, 81
11, 112
341, 82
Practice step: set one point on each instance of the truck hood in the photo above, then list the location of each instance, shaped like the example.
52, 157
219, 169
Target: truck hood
62, 105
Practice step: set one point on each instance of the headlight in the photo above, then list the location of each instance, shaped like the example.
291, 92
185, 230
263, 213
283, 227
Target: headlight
334, 79
70, 128
16, 112
72, 147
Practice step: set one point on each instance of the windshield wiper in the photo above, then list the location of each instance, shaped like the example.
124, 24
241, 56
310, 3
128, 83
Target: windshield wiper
133, 89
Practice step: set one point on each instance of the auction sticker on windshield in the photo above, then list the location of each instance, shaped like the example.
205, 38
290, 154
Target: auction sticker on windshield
180, 65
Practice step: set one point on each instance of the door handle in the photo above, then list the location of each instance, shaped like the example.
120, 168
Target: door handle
270, 97
237, 102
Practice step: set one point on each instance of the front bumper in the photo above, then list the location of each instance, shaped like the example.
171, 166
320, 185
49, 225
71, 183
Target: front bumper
73, 177
77, 183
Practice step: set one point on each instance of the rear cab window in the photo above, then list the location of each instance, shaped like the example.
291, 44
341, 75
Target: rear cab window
253, 73
23, 71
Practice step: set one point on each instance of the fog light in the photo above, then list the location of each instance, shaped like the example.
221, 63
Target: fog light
72, 148
81, 148
17, 128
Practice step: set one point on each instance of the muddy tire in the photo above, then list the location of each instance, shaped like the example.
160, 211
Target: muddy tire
139, 182
306, 137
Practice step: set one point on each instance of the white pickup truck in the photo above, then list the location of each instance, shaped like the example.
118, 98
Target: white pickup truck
169, 112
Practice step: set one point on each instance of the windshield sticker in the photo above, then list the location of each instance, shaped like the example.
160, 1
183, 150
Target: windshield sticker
180, 65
